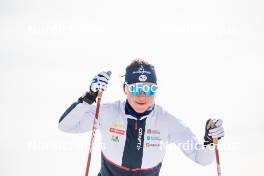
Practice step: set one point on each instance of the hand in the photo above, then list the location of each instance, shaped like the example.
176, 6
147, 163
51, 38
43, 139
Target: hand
213, 133
100, 81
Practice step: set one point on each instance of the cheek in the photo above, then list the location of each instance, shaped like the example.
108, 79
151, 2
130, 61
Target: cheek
130, 97
151, 99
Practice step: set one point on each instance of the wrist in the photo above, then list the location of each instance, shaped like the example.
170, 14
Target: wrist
89, 97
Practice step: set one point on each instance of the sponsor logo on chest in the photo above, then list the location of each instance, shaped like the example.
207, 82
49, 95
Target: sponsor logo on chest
139, 140
153, 138
117, 128
115, 138
117, 131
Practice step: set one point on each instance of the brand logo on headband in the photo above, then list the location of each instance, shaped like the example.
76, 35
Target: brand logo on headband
141, 70
142, 78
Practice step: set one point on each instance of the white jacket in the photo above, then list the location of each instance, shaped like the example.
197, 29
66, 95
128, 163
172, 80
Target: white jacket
131, 144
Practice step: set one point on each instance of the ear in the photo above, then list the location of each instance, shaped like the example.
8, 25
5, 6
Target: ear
124, 89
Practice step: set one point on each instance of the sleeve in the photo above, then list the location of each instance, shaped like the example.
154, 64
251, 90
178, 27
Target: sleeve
185, 139
78, 118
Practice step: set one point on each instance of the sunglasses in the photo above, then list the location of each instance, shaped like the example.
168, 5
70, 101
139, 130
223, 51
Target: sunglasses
137, 88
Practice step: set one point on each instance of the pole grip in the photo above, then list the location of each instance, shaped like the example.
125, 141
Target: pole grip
100, 93
215, 140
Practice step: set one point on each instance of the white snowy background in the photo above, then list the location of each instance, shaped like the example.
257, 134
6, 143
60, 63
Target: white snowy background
208, 56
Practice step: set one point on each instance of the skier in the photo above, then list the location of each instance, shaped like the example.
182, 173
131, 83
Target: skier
134, 131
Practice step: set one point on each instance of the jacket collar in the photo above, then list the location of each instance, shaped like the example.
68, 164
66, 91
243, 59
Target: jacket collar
123, 106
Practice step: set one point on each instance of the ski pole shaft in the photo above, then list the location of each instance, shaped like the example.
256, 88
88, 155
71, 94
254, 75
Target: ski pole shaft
99, 97
215, 141
217, 161
93, 132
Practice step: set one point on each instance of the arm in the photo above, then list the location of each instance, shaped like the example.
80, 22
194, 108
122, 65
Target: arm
184, 138
79, 117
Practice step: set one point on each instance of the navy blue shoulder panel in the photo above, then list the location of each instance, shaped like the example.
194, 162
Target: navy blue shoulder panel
69, 110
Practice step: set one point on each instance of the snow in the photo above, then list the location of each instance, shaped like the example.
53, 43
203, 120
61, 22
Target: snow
209, 62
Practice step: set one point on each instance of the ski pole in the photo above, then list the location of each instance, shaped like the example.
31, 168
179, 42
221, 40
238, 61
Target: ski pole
99, 97
215, 141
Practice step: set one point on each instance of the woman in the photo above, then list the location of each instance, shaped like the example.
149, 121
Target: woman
135, 131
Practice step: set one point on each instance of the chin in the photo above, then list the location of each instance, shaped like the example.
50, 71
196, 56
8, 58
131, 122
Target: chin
140, 109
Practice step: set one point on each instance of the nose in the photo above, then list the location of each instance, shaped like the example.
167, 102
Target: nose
142, 94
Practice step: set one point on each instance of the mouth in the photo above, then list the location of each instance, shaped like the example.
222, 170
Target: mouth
141, 103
